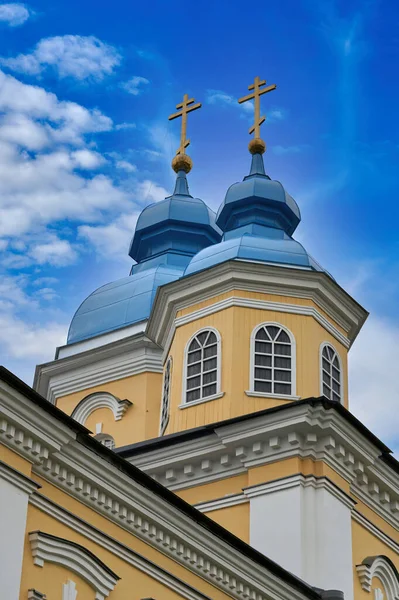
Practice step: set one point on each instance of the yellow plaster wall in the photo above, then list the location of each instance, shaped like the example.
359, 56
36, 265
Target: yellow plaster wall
233, 518
141, 420
38, 520
366, 544
235, 326
15, 461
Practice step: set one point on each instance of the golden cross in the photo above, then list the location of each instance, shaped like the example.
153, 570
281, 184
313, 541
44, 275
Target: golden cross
256, 94
185, 107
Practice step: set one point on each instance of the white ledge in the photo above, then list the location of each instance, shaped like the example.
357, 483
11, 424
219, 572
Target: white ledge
270, 395
201, 400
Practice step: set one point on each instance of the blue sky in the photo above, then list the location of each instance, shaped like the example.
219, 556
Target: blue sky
85, 91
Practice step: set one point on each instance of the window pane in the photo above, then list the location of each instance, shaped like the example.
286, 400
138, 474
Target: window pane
193, 382
336, 398
263, 373
326, 378
283, 349
285, 363
335, 374
282, 375
272, 331
261, 335
263, 386
210, 364
326, 391
194, 369
209, 390
336, 363
194, 357
194, 395
211, 339
263, 360
210, 351
201, 337
209, 377
326, 366
325, 354
282, 388
264, 347
283, 337
336, 387
194, 345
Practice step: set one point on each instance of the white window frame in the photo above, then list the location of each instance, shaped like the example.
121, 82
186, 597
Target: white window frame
251, 391
341, 379
169, 363
218, 393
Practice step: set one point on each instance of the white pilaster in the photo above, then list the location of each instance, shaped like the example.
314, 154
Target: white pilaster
15, 489
304, 524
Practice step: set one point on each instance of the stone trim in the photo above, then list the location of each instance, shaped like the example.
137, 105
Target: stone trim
384, 569
374, 530
18, 479
49, 548
35, 595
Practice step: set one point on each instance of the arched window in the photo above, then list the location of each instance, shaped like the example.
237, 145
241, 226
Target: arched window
273, 359
165, 397
106, 440
331, 373
202, 366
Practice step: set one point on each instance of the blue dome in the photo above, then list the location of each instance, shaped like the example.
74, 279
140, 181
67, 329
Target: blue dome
258, 218
121, 303
180, 225
255, 249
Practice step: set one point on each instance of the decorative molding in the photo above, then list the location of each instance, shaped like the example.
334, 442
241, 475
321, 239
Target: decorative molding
276, 396
302, 431
385, 570
123, 358
98, 400
201, 400
375, 531
76, 558
116, 548
18, 479
225, 502
35, 595
255, 277
241, 302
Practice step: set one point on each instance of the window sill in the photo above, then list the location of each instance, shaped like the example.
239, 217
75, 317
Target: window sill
270, 395
201, 400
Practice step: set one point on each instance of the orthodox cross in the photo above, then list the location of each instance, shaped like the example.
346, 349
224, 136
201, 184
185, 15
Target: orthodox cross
256, 94
186, 106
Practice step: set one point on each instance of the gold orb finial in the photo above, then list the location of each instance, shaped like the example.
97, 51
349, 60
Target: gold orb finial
182, 162
257, 146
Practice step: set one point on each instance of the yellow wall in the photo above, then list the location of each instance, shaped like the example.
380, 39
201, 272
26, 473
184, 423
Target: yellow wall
235, 326
141, 420
365, 544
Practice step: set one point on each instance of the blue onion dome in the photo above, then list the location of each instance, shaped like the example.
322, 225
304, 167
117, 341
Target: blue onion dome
258, 218
168, 234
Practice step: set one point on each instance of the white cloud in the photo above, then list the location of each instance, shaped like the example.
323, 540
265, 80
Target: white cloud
373, 381
282, 150
87, 159
111, 240
134, 85
121, 126
14, 14
224, 99
55, 252
70, 56
148, 191
125, 166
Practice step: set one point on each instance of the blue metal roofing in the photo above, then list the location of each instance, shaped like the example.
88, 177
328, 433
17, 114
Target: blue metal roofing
256, 249
121, 303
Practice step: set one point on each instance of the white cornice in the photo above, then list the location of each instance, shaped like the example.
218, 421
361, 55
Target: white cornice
49, 548
238, 301
18, 479
120, 359
108, 490
303, 431
117, 548
268, 279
